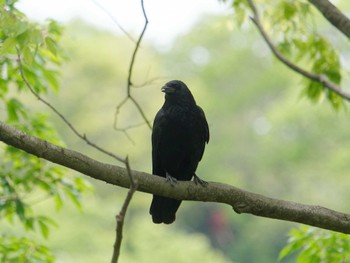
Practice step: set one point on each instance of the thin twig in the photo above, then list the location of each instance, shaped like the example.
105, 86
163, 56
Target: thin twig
129, 79
129, 83
121, 216
133, 184
138, 106
320, 78
129, 127
113, 19
147, 82
69, 124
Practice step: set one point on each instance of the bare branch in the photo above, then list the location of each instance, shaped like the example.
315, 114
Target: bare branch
129, 83
113, 19
117, 112
69, 124
322, 79
129, 79
242, 201
129, 127
138, 106
121, 216
333, 15
147, 82
133, 183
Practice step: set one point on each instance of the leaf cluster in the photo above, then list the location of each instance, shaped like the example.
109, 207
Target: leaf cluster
292, 23
316, 245
26, 180
36, 44
292, 26
18, 250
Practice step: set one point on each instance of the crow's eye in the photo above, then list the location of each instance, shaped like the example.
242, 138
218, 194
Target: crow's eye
175, 88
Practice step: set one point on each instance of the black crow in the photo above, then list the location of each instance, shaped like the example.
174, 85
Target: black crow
180, 131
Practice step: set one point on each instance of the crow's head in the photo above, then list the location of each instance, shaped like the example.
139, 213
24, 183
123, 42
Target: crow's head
177, 92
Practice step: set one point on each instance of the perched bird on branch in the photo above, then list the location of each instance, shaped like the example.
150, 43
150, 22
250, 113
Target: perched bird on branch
180, 132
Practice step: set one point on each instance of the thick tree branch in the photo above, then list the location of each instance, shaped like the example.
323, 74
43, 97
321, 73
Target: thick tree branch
333, 15
320, 78
242, 201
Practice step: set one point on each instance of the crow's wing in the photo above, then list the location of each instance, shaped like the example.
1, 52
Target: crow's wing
156, 139
162, 209
204, 131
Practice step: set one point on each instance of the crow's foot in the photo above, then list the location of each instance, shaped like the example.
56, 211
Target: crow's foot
170, 179
199, 181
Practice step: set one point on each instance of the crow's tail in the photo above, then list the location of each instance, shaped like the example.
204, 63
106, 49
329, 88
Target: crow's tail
163, 209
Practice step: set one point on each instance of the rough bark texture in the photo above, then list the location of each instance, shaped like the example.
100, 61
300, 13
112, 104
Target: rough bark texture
241, 201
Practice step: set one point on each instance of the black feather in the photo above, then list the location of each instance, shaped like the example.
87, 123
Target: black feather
180, 132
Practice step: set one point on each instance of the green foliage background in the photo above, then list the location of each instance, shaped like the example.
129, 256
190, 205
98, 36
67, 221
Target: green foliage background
265, 137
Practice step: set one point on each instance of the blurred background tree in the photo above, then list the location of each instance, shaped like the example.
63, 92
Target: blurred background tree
265, 136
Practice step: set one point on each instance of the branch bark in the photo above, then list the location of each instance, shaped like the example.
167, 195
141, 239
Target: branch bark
333, 15
241, 201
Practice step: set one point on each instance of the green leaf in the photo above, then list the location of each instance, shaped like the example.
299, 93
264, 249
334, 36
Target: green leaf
14, 109
29, 223
24, 38
304, 8
20, 249
315, 91
20, 27
288, 250
44, 223
285, 47
75, 197
336, 100
20, 209
37, 37
58, 200
51, 78
82, 185
44, 228
27, 56
317, 245
8, 46
290, 9
51, 45
240, 8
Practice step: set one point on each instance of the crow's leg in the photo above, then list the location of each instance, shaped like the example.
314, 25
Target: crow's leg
170, 179
197, 181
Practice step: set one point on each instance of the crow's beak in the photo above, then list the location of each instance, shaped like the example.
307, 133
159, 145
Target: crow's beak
166, 89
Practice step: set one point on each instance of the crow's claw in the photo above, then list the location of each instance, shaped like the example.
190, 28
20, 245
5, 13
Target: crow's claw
199, 181
170, 179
